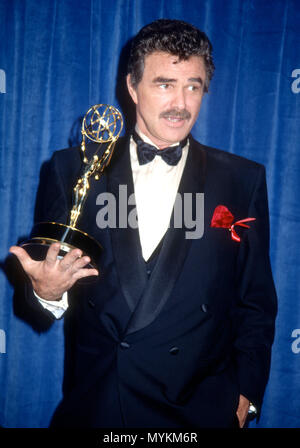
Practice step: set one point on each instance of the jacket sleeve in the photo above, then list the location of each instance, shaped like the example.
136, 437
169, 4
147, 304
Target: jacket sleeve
53, 203
257, 301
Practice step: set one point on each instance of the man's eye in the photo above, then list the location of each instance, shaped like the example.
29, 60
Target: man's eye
193, 88
164, 86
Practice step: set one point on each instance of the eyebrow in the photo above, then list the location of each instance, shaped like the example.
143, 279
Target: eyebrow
199, 80
162, 80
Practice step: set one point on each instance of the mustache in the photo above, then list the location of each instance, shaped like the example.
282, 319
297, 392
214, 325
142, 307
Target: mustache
184, 114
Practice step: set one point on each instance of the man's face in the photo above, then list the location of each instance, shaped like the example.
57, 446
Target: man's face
168, 97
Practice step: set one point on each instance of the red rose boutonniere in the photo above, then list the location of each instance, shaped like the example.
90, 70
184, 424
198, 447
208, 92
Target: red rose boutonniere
222, 217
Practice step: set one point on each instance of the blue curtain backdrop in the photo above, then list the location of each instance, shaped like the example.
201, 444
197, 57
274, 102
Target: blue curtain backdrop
59, 57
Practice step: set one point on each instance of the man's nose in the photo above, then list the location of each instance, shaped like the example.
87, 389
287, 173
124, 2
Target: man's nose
179, 99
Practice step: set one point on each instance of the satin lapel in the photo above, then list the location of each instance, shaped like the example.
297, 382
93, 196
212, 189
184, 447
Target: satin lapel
125, 241
174, 249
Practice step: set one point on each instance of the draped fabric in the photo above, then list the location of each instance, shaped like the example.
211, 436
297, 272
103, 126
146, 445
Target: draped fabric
59, 57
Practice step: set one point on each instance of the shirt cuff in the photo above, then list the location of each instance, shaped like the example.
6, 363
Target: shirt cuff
252, 412
57, 307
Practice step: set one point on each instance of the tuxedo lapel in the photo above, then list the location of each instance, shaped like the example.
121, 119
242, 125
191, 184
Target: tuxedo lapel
125, 241
174, 249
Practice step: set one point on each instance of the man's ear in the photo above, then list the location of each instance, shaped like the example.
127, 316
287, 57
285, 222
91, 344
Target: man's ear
131, 89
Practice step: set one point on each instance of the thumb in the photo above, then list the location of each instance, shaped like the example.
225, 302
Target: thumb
22, 256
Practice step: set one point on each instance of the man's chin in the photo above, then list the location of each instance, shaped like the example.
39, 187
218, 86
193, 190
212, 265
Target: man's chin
176, 136
175, 131
167, 136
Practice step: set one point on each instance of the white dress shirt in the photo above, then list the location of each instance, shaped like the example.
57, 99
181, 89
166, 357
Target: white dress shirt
155, 187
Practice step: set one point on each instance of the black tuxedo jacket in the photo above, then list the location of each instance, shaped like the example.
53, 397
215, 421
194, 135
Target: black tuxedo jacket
175, 348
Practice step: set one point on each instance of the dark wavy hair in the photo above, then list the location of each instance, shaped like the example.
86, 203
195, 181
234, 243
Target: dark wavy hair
171, 36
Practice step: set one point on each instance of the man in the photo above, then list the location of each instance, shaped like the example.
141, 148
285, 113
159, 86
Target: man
176, 331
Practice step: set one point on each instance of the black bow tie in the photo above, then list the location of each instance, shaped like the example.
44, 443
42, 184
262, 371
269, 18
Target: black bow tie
147, 152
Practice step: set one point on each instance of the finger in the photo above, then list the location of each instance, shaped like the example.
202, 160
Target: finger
69, 259
242, 422
239, 420
80, 263
242, 416
52, 254
23, 257
85, 273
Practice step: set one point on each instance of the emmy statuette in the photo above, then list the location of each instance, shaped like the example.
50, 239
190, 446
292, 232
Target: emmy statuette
101, 124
